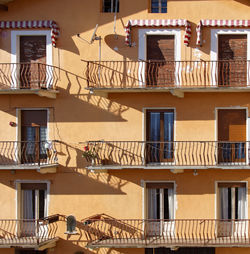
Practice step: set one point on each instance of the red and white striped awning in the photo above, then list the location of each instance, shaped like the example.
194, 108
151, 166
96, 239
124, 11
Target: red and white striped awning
30, 24
158, 23
219, 23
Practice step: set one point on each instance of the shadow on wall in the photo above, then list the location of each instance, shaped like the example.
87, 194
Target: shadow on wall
80, 107
88, 231
81, 17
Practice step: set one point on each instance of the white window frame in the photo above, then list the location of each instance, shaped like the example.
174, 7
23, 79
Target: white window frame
47, 196
214, 49
15, 47
142, 49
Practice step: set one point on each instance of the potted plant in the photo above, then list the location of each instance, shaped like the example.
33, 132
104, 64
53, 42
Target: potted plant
89, 154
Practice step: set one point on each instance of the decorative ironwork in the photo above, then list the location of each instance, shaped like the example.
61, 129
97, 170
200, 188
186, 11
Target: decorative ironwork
107, 232
14, 153
177, 153
28, 76
155, 74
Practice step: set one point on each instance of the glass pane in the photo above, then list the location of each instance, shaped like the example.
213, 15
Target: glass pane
114, 3
154, 134
155, 6
168, 134
166, 205
153, 203
43, 138
41, 208
106, 5
28, 204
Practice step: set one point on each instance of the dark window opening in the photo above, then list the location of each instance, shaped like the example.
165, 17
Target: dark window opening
158, 6
110, 6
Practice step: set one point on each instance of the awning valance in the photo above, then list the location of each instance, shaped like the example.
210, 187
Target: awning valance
158, 23
218, 23
30, 24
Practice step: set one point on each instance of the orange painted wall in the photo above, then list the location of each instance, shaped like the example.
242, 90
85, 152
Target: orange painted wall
76, 116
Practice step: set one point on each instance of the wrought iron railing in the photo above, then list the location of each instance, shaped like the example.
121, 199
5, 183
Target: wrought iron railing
106, 232
14, 153
27, 231
173, 74
28, 76
177, 153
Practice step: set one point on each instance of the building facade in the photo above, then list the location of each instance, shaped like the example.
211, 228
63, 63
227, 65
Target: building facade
124, 126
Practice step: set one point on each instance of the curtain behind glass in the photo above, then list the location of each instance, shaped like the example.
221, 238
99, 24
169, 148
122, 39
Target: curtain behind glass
154, 135
224, 203
241, 203
152, 204
168, 134
28, 204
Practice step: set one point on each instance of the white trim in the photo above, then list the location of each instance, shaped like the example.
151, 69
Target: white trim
216, 194
214, 47
15, 45
47, 198
142, 49
247, 125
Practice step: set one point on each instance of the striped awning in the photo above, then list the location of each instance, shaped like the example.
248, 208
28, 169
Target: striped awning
218, 23
32, 24
158, 23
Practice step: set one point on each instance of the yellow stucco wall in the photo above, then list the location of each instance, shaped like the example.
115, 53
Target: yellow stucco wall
76, 116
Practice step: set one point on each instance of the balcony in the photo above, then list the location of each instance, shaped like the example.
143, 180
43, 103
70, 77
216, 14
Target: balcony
17, 155
35, 234
174, 76
28, 78
167, 155
106, 232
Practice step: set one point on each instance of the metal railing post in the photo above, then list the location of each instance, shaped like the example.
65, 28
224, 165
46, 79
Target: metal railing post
38, 75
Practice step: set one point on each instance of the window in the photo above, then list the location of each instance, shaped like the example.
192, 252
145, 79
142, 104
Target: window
33, 135
32, 206
160, 208
160, 201
160, 135
158, 6
231, 203
110, 6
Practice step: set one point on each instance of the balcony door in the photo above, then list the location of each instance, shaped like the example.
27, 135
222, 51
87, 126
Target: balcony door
160, 69
160, 136
33, 207
231, 136
231, 201
32, 59
232, 60
160, 209
33, 136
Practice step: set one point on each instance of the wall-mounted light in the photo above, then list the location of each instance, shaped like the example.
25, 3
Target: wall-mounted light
195, 173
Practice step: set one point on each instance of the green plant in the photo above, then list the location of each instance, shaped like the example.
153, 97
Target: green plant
88, 154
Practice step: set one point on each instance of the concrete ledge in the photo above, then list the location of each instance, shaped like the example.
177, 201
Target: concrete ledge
40, 92
169, 167
43, 169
